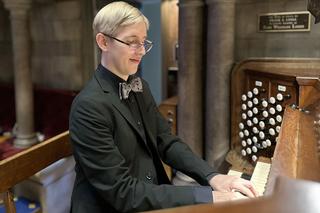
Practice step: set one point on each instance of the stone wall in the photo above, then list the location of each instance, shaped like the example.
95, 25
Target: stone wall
56, 44
55, 29
6, 56
250, 43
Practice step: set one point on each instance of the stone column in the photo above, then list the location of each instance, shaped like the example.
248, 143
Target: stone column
26, 136
220, 59
190, 65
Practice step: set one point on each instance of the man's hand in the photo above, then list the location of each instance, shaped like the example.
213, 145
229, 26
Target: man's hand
226, 196
229, 183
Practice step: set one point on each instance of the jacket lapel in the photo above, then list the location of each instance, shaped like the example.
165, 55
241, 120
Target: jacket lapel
108, 87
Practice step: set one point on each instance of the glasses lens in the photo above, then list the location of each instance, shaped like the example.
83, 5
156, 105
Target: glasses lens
137, 47
148, 46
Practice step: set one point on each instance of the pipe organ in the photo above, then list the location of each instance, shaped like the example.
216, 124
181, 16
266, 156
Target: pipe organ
275, 122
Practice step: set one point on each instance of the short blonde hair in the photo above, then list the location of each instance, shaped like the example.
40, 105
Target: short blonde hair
115, 15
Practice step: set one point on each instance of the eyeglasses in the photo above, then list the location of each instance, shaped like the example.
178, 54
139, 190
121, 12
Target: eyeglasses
136, 46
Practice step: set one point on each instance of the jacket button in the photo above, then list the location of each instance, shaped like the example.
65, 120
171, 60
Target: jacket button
149, 176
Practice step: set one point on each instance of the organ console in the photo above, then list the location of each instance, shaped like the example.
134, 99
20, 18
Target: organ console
261, 91
275, 128
282, 141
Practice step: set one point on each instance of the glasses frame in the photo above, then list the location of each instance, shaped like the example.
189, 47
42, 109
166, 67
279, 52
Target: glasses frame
137, 50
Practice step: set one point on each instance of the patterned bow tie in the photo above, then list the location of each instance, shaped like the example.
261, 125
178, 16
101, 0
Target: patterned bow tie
124, 89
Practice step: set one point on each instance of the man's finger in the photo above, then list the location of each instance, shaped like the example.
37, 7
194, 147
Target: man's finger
247, 188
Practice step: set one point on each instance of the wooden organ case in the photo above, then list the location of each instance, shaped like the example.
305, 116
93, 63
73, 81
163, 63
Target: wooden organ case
275, 120
261, 91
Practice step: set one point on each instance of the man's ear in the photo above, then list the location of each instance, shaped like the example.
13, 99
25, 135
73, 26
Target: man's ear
102, 42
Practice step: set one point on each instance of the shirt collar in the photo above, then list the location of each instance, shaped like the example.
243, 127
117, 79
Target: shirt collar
116, 80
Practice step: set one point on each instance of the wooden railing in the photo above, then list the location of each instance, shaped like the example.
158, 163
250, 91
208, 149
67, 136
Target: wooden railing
23, 165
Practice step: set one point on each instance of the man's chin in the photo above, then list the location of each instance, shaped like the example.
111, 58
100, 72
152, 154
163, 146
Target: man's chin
133, 71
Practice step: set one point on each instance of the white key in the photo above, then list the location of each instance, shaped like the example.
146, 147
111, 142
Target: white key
260, 176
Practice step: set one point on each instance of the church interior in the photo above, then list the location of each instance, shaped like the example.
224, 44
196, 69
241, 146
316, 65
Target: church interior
237, 80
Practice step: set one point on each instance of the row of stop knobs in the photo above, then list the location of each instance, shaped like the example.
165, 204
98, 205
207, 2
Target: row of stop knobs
252, 102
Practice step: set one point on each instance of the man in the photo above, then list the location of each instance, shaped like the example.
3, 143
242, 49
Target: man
119, 137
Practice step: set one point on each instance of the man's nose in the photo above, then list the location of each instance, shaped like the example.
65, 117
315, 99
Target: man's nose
141, 51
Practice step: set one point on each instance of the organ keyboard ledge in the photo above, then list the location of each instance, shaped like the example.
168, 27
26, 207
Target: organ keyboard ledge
294, 196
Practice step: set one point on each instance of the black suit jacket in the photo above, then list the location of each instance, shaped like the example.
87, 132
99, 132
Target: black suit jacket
114, 165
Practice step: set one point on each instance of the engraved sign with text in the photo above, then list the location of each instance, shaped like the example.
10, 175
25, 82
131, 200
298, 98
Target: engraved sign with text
284, 22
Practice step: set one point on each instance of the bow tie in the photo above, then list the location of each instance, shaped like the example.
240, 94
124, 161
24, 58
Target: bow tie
124, 88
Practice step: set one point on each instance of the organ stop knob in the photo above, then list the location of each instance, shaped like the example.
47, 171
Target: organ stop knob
271, 131
279, 118
264, 104
241, 134
279, 108
280, 97
261, 135
264, 144
254, 158
272, 121
255, 130
244, 116
255, 91
272, 111
265, 114
254, 149
261, 124
268, 142
249, 151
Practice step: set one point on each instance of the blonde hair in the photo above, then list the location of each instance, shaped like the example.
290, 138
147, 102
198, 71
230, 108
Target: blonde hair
115, 15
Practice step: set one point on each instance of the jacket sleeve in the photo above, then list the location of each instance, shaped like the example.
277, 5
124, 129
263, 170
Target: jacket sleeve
176, 153
104, 166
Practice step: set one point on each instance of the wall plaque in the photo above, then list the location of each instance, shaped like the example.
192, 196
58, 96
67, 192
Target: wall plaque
284, 22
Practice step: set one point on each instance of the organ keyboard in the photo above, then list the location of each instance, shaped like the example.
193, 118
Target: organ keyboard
259, 176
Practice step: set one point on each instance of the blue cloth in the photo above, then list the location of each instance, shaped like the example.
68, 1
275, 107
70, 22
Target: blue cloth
23, 205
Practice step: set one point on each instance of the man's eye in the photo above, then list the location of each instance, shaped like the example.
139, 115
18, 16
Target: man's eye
130, 42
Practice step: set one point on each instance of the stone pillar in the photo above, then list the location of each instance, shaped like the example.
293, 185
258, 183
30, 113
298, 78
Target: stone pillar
190, 65
26, 136
220, 59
